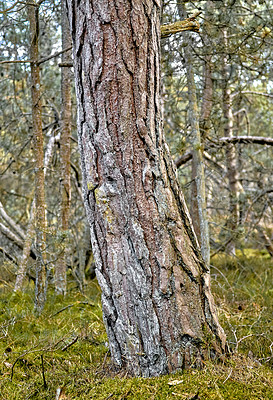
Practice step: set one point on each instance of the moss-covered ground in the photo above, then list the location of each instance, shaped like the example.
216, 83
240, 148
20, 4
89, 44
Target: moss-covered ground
63, 353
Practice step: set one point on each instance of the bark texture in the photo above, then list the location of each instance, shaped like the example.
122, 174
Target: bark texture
157, 305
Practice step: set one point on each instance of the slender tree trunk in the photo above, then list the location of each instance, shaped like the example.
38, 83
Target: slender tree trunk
206, 108
40, 288
157, 305
198, 200
232, 171
30, 234
60, 272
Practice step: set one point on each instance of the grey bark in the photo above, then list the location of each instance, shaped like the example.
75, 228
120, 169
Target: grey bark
157, 305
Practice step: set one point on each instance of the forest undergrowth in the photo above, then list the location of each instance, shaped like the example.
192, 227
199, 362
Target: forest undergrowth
63, 354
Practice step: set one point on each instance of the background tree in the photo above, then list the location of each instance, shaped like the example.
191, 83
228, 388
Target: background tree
40, 284
60, 273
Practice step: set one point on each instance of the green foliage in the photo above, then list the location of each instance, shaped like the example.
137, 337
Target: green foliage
70, 337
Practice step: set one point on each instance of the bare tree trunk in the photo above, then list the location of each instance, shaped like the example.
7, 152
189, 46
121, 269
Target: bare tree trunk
60, 272
157, 305
232, 172
30, 234
40, 287
204, 123
198, 199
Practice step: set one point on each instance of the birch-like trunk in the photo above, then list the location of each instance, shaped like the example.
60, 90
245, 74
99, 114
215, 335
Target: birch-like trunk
40, 287
60, 269
157, 305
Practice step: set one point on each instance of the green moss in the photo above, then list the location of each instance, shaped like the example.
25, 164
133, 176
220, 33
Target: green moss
243, 289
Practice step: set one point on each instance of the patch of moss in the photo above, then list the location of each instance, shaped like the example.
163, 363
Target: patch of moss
71, 338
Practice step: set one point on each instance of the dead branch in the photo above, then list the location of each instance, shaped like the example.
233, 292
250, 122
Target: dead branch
12, 236
11, 222
188, 24
247, 140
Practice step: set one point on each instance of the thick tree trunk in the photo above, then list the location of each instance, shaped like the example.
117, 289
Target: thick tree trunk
60, 271
157, 305
40, 288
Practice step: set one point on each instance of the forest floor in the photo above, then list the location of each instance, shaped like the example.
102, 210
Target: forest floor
63, 354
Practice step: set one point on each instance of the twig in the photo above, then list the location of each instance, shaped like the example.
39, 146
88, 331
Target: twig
9, 8
18, 358
229, 375
58, 53
41, 61
103, 364
71, 305
70, 344
110, 395
15, 61
43, 372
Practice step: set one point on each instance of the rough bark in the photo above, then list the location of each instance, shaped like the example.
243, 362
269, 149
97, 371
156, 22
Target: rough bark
60, 269
157, 305
198, 190
40, 286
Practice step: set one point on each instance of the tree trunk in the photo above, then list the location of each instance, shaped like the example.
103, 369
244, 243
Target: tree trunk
157, 305
40, 288
198, 193
60, 271
232, 172
30, 234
